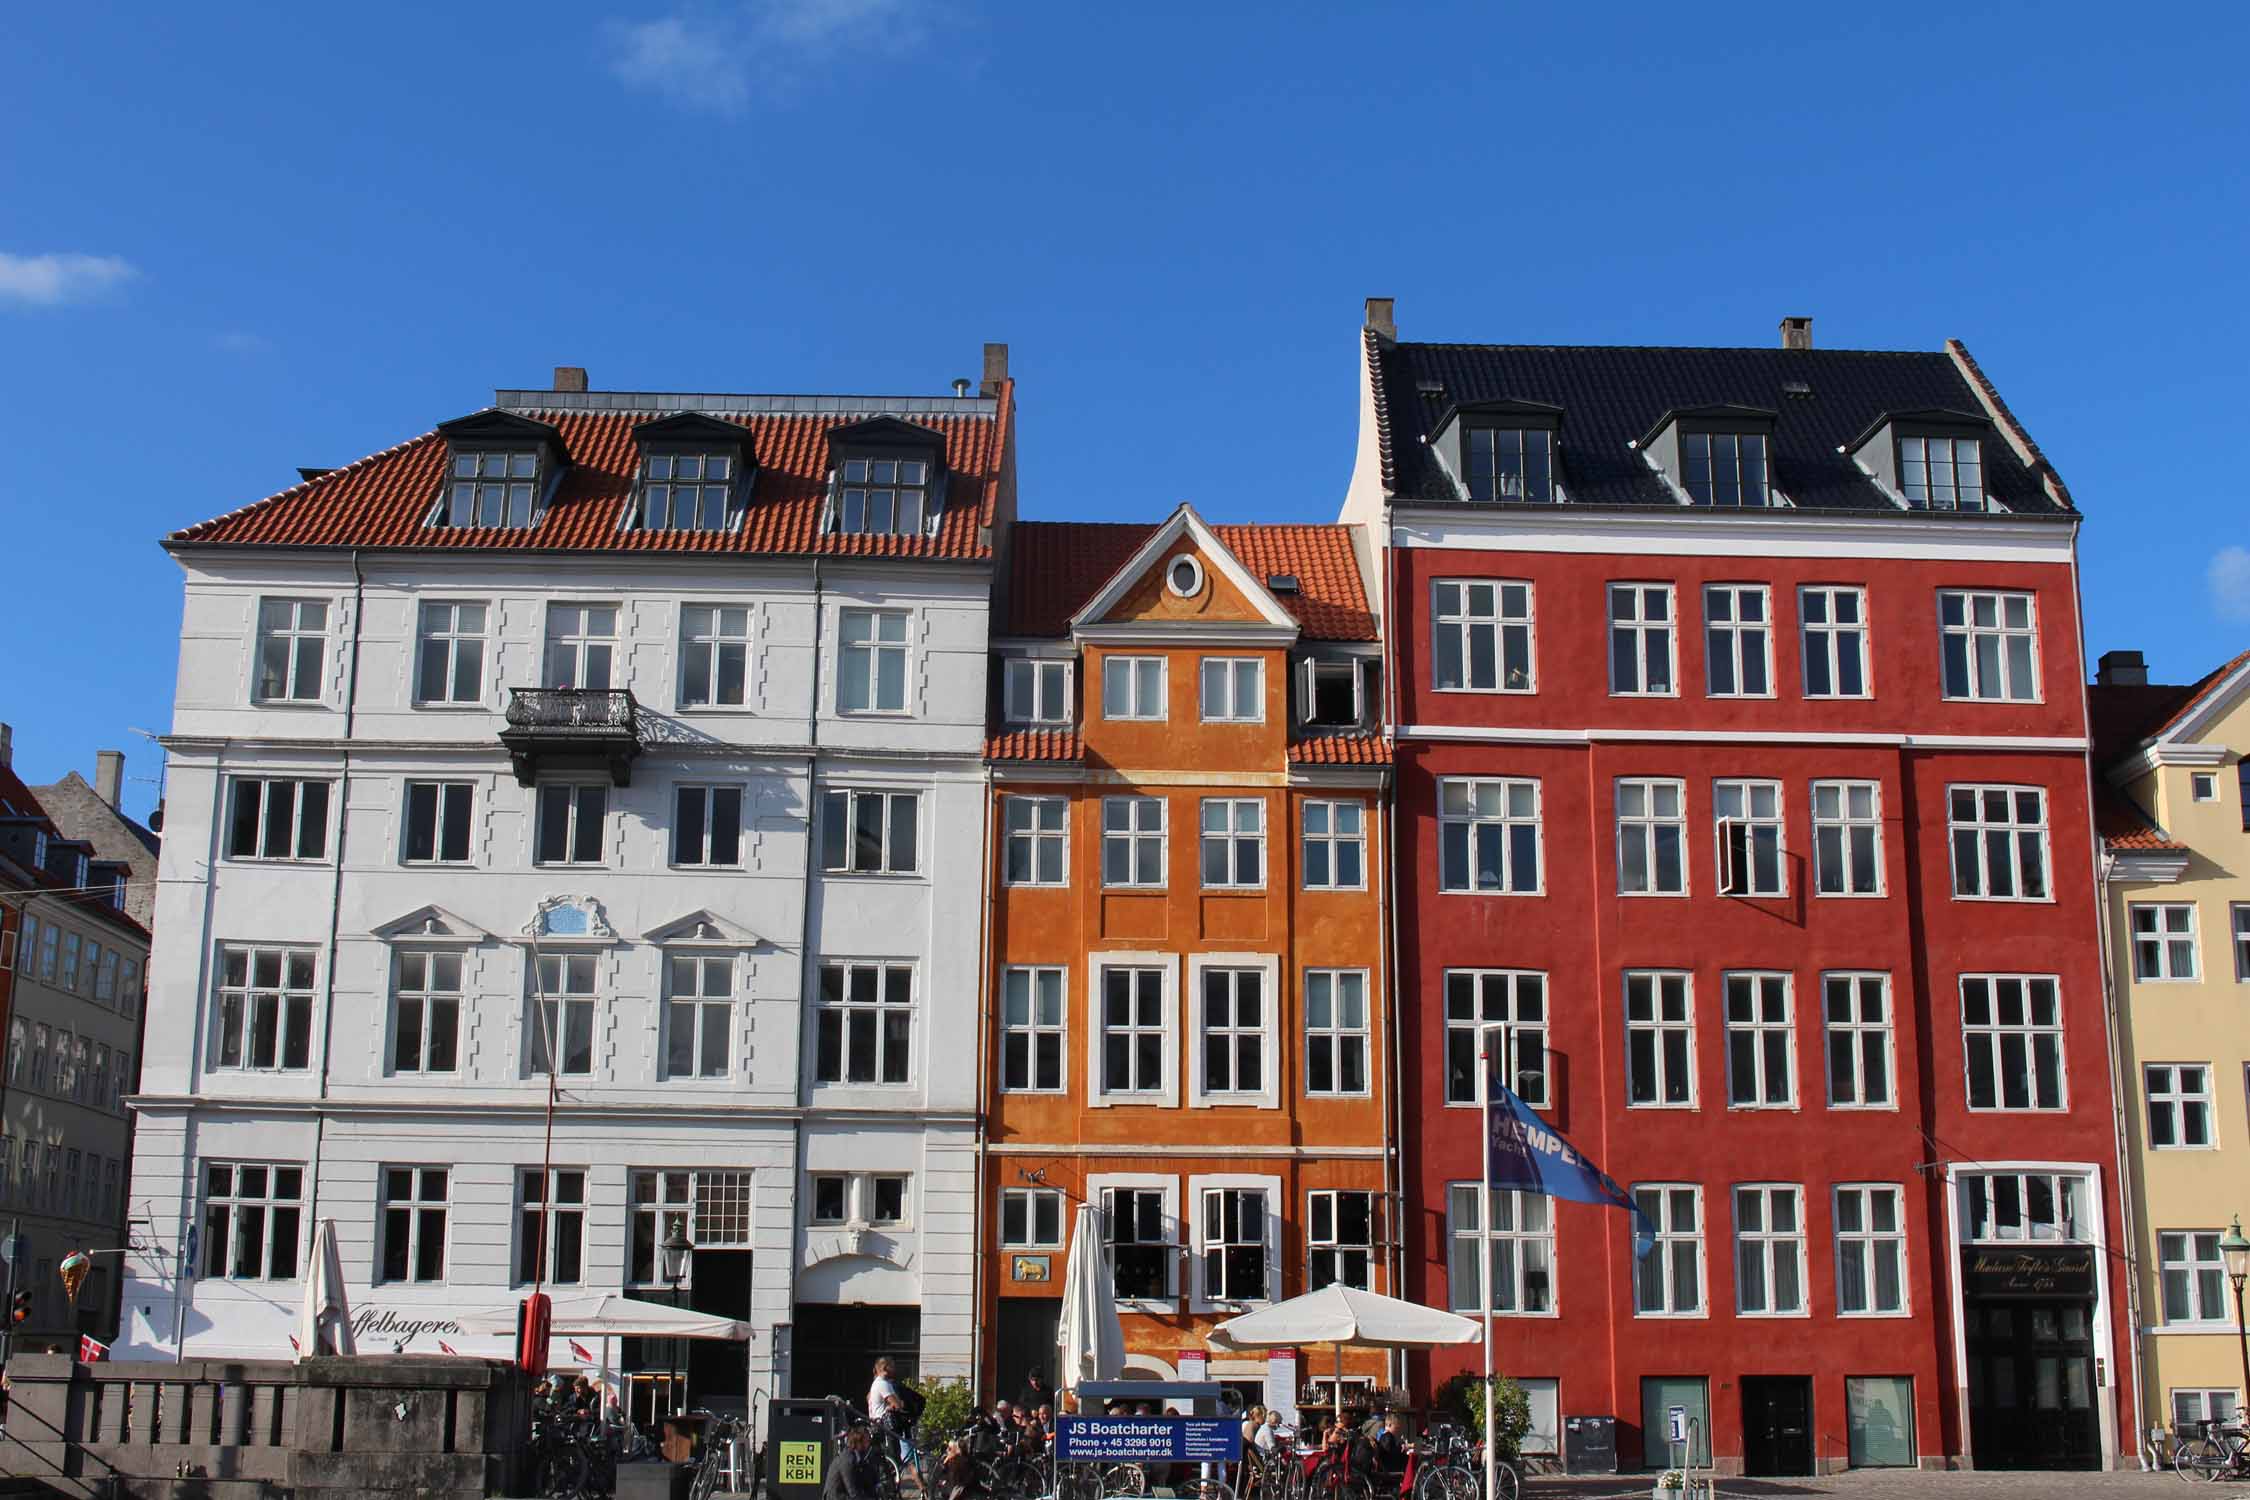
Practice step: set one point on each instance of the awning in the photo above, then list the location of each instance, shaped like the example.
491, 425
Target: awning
613, 1315
1342, 1315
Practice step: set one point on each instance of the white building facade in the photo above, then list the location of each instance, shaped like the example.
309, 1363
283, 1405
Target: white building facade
572, 837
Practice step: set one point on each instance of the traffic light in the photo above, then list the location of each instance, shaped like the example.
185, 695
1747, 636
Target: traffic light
19, 1309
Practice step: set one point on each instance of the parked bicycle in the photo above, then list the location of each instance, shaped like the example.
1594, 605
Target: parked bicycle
2219, 1450
716, 1460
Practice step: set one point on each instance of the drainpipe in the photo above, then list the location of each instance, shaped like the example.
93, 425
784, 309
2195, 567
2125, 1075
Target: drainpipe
805, 947
335, 888
988, 998
1394, 1127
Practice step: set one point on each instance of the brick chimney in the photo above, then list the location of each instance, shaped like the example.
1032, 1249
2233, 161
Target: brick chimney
7, 743
1382, 316
995, 369
1796, 333
2121, 669
570, 378
109, 775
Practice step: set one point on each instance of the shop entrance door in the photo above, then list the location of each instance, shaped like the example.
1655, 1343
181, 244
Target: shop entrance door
1776, 1424
2031, 1385
833, 1349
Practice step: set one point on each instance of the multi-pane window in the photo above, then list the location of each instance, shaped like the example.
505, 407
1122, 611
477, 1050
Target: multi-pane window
1652, 838
1989, 645
1133, 841
2192, 1272
831, 1198
449, 653
1336, 1032
1234, 841
1724, 468
883, 496
1141, 1246
265, 1010
1999, 842
1031, 1219
2164, 941
2240, 912
551, 1226
2012, 1028
581, 645
70, 962
253, 1213
1858, 1010
714, 655
439, 822
1233, 1243
1509, 463
425, 1012
1507, 1010
1133, 1040
1937, 473
2010, 1206
1748, 814
1769, 1250
562, 1014
1761, 1042
870, 833
661, 1203
414, 1204
2192, 1407
871, 670
1231, 1025
1233, 689
1738, 640
1035, 691
1133, 687
686, 491
866, 1024
1332, 692
1834, 621
1668, 1281
1340, 1240
1514, 1241
292, 638
2179, 1106
1640, 639
1038, 839
492, 488
699, 1015
1031, 1030
1335, 844
1488, 836
707, 826
1847, 818
277, 818
1481, 636
1870, 1250
1659, 1040
571, 819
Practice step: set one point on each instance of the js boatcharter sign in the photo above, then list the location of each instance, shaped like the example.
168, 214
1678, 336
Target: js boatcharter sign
1124, 1440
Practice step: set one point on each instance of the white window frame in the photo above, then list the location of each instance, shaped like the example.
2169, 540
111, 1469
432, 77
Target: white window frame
2166, 1087
1770, 1245
1233, 831
2166, 947
447, 637
285, 996
706, 849
1200, 1300
442, 793
1333, 839
1837, 824
2177, 1253
1931, 455
1134, 834
1267, 966
1739, 875
1996, 1032
1981, 828
415, 1208
1463, 620
1337, 1037
1022, 825
1033, 678
1032, 1028
1853, 1033
1658, 1024
1970, 632
1480, 1240
281, 621
1129, 674
553, 1211
2070, 1198
842, 827
1100, 1184
573, 818
701, 692
867, 657
430, 995
1872, 1241
696, 1004
1823, 639
1642, 628
1647, 827
1671, 1241
298, 824
1459, 802
1167, 1093
1231, 670
266, 1202
2240, 913
572, 642
1330, 1202
1728, 640
1761, 1030
882, 1008
1508, 1019
2188, 1417
1310, 671
552, 1034
2203, 786
1030, 1200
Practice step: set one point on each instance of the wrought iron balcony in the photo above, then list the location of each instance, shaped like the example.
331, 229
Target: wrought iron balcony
572, 729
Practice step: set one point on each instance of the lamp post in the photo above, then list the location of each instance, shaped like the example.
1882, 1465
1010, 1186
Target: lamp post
2236, 1249
676, 1249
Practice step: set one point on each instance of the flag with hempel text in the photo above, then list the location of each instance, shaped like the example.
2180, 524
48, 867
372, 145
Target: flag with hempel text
1526, 1154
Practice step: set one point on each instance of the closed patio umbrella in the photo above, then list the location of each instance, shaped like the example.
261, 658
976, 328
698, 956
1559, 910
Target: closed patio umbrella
1089, 1337
326, 1327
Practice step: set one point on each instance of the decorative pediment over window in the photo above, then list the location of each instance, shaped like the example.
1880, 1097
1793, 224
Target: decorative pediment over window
705, 929
432, 924
570, 919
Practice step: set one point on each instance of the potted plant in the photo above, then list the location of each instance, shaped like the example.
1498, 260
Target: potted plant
1670, 1485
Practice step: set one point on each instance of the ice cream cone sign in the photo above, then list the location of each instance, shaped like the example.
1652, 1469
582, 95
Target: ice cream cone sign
74, 1268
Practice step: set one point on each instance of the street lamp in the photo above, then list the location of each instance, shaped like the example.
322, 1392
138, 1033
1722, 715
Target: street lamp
2236, 1249
676, 1249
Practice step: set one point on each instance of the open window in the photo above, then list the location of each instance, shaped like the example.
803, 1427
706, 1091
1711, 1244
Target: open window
1333, 692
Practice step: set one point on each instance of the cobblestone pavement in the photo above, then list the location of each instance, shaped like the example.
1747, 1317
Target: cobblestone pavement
1897, 1484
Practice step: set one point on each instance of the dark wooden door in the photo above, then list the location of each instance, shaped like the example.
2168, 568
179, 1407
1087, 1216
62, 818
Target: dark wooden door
832, 1350
2031, 1385
1777, 1424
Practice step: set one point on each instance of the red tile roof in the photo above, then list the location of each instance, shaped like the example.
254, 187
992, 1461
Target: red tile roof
1035, 744
18, 801
1054, 567
383, 500
2125, 827
1342, 750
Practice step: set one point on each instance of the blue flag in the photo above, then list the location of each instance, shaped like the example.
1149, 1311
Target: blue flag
1526, 1154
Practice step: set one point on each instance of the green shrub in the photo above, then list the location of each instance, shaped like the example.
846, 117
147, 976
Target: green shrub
946, 1408
1462, 1398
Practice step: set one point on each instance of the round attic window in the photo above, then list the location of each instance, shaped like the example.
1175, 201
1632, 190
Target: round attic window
1185, 576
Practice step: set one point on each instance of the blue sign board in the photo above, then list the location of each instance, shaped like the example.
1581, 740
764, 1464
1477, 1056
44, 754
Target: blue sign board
1155, 1440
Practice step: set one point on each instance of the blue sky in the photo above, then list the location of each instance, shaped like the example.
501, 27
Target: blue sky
238, 239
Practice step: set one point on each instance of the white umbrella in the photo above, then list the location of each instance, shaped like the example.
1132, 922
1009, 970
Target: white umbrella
1091, 1339
326, 1327
604, 1315
1343, 1315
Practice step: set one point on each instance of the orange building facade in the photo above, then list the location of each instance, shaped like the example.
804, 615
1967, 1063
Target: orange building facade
1189, 1025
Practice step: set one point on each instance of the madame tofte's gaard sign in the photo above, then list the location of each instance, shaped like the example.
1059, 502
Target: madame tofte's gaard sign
2058, 1271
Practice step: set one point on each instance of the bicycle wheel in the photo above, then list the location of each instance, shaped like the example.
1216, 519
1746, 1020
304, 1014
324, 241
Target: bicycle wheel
1508, 1483
562, 1471
706, 1482
1200, 1488
1124, 1479
2200, 1458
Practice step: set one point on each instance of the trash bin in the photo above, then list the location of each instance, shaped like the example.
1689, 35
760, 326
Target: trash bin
654, 1481
801, 1432
1590, 1445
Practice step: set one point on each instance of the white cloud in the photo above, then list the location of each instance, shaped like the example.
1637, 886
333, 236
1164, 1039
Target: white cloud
2230, 583
716, 60
54, 279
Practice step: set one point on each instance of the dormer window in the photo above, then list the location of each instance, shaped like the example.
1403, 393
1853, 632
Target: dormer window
1509, 463
883, 496
1941, 473
492, 487
1332, 692
1036, 690
1724, 468
686, 491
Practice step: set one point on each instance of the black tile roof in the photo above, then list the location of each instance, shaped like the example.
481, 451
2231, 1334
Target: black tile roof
1611, 396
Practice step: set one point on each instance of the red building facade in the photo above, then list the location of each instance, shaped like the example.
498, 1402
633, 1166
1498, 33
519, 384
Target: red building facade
1741, 784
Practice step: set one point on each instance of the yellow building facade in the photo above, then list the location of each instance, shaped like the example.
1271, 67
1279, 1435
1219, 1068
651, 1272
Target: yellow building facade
2173, 802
